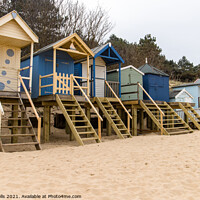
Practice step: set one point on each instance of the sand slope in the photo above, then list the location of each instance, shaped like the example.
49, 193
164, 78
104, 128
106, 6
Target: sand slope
144, 167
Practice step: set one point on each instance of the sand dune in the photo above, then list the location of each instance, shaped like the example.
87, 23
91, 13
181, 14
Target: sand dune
140, 168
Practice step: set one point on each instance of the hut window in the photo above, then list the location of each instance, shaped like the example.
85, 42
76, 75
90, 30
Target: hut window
10, 52
7, 61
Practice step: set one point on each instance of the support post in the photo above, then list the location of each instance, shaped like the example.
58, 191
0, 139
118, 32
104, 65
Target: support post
134, 120
31, 67
119, 80
94, 87
141, 120
46, 124
88, 74
14, 123
108, 128
23, 122
54, 72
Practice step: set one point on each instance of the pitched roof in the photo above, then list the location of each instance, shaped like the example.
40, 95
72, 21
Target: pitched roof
99, 48
148, 69
187, 85
15, 16
197, 81
80, 44
175, 93
172, 94
123, 68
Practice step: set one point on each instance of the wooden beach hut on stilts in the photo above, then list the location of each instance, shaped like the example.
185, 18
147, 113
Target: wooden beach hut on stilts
17, 131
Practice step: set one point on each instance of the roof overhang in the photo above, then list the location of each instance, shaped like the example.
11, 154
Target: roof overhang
15, 16
74, 46
182, 91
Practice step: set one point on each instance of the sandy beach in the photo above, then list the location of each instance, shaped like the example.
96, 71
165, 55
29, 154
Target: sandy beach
141, 168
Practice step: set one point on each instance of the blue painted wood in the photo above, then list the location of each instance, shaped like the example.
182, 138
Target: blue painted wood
43, 65
157, 87
94, 77
78, 72
112, 58
120, 80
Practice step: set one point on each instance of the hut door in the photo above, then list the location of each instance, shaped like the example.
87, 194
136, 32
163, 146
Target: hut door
9, 65
100, 80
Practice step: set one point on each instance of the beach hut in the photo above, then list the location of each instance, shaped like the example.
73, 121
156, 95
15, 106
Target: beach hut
155, 82
15, 34
180, 96
130, 76
193, 89
104, 56
54, 64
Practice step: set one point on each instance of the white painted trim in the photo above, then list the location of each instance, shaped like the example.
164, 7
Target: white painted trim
184, 90
1, 110
129, 66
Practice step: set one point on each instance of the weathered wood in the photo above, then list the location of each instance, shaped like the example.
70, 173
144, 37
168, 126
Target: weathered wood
23, 122
108, 128
134, 121
141, 119
14, 124
46, 123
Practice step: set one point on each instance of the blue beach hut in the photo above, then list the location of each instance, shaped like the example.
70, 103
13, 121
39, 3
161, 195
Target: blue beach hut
155, 82
54, 64
104, 56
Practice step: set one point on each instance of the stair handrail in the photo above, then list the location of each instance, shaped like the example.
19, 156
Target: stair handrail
161, 112
33, 107
119, 100
98, 115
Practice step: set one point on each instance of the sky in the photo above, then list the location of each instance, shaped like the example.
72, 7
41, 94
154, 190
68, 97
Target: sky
174, 23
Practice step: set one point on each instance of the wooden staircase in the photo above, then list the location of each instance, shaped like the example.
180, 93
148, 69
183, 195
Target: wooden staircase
191, 114
113, 118
173, 124
77, 120
17, 133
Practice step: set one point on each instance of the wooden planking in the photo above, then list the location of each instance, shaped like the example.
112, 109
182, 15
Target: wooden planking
13, 30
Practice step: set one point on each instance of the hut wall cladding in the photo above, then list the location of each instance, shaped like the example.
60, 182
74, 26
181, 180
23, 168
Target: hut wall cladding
157, 86
100, 73
194, 90
43, 65
128, 76
9, 65
13, 30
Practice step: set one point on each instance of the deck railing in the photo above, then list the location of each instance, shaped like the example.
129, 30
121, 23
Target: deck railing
33, 107
161, 112
129, 117
114, 85
25, 77
64, 84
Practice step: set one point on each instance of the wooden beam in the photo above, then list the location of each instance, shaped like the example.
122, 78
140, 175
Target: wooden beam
141, 119
54, 72
88, 74
134, 120
14, 123
46, 123
72, 51
31, 66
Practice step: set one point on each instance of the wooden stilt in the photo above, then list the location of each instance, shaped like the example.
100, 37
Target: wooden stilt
101, 114
15, 123
108, 128
141, 119
46, 124
134, 120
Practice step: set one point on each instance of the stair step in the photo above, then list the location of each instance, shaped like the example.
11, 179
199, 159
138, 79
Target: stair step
82, 126
76, 115
68, 110
185, 127
89, 132
67, 105
123, 129
116, 119
11, 104
14, 119
89, 138
16, 127
20, 144
126, 134
119, 124
178, 132
173, 123
17, 135
19, 111
79, 120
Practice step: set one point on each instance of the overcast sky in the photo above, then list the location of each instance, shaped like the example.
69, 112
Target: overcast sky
174, 23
